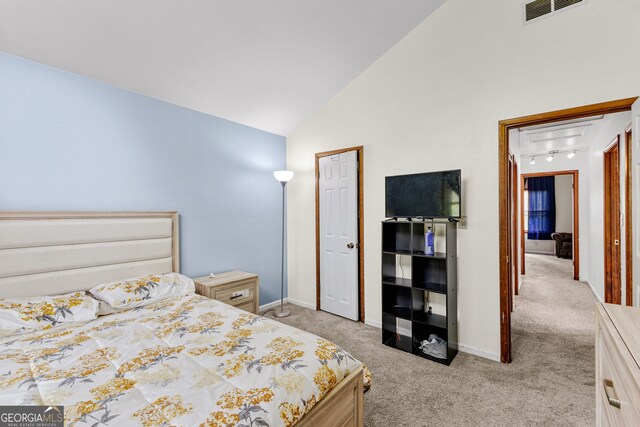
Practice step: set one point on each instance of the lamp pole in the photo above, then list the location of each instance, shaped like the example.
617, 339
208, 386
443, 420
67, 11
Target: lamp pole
283, 177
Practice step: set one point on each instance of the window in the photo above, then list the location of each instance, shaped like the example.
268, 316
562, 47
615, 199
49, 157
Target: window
541, 212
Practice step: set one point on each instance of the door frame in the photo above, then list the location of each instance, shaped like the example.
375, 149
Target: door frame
514, 243
503, 198
510, 213
576, 214
359, 158
628, 218
609, 269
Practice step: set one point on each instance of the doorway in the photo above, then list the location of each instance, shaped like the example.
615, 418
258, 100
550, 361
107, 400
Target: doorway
340, 253
612, 273
575, 221
505, 226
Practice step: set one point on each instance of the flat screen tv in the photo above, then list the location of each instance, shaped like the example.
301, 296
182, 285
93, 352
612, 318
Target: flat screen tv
424, 195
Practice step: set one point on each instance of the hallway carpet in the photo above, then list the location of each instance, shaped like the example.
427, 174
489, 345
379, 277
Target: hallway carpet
549, 383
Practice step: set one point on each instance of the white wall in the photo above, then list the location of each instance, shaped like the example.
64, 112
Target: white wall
564, 203
433, 102
580, 163
615, 126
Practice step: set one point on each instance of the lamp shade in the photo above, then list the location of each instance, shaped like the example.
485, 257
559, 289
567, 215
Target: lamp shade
283, 176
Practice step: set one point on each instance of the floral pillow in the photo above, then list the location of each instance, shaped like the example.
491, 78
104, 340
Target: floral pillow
141, 291
45, 312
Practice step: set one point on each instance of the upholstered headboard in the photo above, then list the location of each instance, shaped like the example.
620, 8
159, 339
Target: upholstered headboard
49, 253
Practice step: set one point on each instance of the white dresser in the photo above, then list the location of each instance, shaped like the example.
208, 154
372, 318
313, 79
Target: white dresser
617, 365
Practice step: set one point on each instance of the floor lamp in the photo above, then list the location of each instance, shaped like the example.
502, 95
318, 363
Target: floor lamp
283, 177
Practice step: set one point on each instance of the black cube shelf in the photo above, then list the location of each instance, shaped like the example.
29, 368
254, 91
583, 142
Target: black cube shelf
403, 297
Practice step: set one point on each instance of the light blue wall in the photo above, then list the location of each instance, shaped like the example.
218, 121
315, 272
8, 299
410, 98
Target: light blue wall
71, 143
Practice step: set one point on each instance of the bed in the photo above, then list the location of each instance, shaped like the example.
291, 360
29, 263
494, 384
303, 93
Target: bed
183, 361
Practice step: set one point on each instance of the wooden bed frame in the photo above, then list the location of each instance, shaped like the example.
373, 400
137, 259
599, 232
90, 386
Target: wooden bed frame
73, 251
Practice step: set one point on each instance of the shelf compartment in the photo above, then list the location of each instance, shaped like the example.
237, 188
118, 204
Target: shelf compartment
430, 274
437, 255
398, 252
395, 336
399, 341
438, 288
396, 301
392, 274
418, 238
435, 320
420, 306
421, 332
396, 281
396, 237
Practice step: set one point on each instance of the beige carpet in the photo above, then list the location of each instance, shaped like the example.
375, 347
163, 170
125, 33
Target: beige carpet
550, 382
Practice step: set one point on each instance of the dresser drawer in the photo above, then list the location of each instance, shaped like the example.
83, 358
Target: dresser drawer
616, 373
237, 295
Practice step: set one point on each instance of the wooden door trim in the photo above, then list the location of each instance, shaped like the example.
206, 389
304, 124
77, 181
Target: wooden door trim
359, 156
503, 153
609, 268
576, 213
516, 208
628, 219
522, 266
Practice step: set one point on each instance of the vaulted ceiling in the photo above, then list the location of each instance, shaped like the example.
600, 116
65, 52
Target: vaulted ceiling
267, 64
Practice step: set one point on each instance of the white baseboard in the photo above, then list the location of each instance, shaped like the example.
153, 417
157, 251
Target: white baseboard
302, 303
594, 291
477, 352
271, 305
286, 300
373, 323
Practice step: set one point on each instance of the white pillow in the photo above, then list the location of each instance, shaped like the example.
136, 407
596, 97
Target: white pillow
141, 291
47, 311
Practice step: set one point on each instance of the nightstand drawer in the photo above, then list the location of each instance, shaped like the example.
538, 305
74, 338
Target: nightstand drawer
237, 295
247, 306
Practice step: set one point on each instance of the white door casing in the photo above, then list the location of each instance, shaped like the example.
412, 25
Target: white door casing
635, 197
338, 188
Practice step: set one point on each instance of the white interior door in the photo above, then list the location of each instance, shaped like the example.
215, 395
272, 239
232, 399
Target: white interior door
338, 188
635, 194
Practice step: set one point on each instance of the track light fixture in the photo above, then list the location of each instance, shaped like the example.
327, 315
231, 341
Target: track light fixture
550, 155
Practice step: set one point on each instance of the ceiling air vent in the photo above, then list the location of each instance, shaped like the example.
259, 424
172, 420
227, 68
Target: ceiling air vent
537, 8
561, 4
533, 10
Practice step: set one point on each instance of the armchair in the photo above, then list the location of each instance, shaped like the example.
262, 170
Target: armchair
564, 244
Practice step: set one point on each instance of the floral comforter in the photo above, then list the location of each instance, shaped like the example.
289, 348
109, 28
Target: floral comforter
191, 361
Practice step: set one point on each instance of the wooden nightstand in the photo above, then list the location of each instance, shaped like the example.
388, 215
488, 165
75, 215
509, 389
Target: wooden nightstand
235, 288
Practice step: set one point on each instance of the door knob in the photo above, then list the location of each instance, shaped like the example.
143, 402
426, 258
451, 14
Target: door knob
350, 245
616, 242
